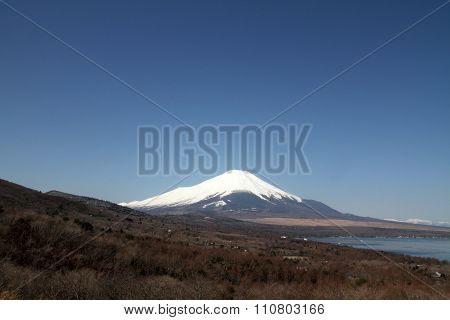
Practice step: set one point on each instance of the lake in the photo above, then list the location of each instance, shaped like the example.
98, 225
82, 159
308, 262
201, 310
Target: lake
438, 248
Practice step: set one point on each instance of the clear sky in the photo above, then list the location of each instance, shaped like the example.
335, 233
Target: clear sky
381, 139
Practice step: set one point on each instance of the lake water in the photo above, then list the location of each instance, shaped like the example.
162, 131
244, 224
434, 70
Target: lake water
422, 247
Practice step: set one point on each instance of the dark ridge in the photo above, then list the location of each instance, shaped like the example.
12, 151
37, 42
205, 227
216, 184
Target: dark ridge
94, 202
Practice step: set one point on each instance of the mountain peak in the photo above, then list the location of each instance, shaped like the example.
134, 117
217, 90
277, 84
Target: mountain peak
235, 171
216, 190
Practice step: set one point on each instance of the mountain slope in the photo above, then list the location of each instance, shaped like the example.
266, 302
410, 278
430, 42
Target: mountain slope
93, 202
215, 190
237, 192
85, 250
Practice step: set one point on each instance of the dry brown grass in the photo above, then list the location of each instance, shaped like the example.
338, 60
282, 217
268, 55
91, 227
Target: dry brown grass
344, 223
141, 259
118, 266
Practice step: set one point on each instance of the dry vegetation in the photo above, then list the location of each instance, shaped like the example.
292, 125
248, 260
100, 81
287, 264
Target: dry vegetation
346, 223
166, 258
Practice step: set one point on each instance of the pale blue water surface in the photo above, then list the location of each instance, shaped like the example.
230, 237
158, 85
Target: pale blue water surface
438, 248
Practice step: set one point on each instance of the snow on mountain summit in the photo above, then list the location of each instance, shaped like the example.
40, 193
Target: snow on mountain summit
228, 183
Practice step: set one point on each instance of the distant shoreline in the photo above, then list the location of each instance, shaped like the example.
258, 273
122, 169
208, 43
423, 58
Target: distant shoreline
345, 223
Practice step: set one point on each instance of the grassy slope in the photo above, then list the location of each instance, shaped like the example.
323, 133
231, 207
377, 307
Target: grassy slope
187, 257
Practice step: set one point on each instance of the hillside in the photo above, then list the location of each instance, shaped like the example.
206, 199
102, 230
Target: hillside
54, 246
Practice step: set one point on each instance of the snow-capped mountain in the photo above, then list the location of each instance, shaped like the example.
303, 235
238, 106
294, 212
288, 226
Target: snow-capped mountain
234, 191
216, 192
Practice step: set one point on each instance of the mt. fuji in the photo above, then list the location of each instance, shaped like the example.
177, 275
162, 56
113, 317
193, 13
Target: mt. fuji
236, 192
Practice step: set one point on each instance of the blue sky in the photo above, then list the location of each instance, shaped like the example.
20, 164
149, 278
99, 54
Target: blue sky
380, 143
